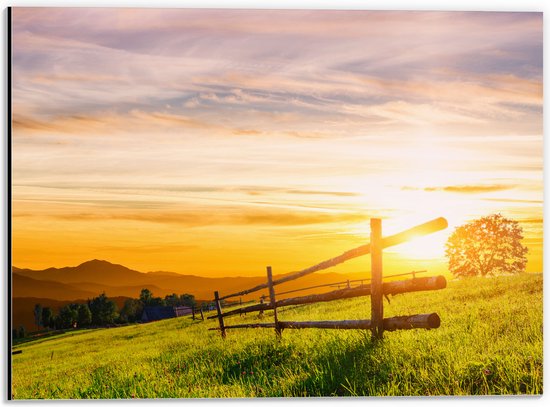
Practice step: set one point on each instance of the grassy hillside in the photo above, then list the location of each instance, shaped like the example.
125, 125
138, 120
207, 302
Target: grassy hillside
490, 342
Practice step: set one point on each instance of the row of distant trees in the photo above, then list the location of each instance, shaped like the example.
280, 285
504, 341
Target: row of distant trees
133, 308
103, 311
73, 315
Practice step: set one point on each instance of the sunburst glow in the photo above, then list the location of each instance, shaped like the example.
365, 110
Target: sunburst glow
215, 142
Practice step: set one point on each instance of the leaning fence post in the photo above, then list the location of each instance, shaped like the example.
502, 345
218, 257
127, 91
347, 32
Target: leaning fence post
278, 330
377, 304
219, 309
261, 313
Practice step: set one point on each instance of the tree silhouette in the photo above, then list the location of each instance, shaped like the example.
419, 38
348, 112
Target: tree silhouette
67, 316
104, 311
145, 296
84, 315
188, 300
172, 300
132, 310
22, 333
38, 315
47, 317
490, 245
147, 299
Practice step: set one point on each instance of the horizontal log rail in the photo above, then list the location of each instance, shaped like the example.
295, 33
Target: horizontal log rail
254, 325
414, 273
420, 230
426, 321
339, 283
388, 288
320, 286
414, 284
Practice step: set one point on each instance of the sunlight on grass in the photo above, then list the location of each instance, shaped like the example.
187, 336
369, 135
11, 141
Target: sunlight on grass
490, 342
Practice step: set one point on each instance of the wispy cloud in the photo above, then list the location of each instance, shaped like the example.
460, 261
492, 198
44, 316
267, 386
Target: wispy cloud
153, 190
407, 67
165, 247
168, 119
470, 189
532, 220
520, 201
108, 122
213, 217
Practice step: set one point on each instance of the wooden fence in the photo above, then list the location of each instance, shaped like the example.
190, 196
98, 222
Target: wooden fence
347, 283
377, 289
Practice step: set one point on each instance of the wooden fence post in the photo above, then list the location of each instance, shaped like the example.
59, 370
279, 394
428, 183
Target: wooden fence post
261, 313
202, 315
193, 311
219, 309
377, 304
272, 300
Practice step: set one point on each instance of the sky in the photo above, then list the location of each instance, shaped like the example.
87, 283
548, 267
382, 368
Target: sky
217, 142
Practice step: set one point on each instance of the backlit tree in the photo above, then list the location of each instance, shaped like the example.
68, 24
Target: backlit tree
487, 246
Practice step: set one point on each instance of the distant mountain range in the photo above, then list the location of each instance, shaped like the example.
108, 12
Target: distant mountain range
93, 277
87, 280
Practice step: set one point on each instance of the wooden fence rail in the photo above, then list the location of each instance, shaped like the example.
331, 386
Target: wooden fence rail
348, 283
377, 289
427, 321
420, 230
388, 288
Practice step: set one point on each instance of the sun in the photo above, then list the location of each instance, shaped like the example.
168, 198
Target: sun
419, 248
424, 247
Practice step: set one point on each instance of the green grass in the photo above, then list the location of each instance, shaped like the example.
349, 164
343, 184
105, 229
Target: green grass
490, 342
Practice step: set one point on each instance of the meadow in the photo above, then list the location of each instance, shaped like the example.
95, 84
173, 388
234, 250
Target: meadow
490, 342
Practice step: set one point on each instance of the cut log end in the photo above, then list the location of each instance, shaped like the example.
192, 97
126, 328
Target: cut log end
426, 321
434, 321
441, 282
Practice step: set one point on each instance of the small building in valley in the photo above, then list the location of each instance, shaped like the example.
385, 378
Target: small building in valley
157, 313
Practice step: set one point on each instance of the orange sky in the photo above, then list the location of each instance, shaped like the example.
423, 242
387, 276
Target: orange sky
216, 142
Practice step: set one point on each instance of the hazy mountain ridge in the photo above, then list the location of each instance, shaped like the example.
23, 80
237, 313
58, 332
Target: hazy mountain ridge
93, 271
23, 286
96, 276
59, 286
